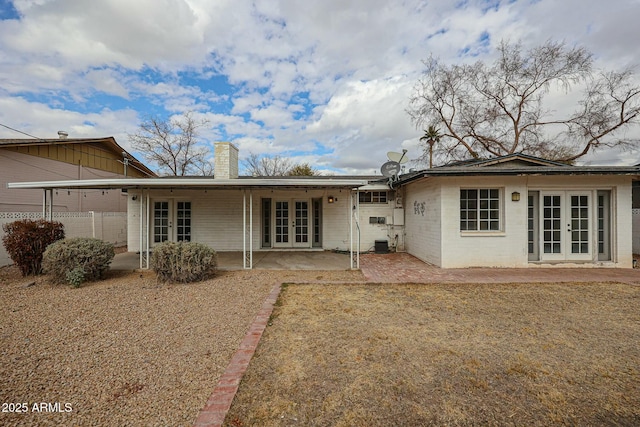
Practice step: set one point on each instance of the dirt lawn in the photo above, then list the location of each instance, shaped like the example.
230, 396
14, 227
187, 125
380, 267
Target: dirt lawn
414, 355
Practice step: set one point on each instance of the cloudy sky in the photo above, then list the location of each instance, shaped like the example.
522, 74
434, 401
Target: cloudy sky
322, 81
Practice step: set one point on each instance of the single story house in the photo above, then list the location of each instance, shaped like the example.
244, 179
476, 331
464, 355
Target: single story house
512, 211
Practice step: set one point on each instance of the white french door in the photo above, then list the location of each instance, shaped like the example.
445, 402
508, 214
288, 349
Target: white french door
291, 224
566, 225
171, 221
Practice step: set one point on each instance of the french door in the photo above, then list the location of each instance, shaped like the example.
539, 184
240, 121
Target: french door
171, 221
291, 224
565, 226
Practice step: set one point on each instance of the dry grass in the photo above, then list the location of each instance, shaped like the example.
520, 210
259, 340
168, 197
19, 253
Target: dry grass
408, 355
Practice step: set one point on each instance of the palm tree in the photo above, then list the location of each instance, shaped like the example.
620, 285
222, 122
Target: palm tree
431, 136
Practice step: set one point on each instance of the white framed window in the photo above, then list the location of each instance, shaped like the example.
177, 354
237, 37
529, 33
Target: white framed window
379, 197
480, 209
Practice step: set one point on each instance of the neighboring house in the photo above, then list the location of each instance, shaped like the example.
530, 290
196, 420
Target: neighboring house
513, 211
64, 159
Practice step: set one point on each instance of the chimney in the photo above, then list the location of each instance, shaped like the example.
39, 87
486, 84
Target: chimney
226, 161
62, 134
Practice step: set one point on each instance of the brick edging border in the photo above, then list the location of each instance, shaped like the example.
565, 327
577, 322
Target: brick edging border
216, 408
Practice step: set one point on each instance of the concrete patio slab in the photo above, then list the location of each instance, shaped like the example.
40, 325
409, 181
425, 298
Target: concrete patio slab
403, 268
262, 260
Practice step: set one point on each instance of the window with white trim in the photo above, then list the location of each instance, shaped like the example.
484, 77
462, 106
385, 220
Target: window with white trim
480, 209
373, 197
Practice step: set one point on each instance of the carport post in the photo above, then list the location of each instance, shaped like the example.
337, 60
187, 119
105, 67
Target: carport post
247, 261
148, 199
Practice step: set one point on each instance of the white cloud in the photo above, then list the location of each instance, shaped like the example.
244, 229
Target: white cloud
353, 62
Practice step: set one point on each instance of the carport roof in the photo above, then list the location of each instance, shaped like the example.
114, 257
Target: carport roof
197, 182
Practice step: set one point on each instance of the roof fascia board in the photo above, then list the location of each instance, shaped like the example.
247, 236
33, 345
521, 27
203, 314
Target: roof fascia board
191, 183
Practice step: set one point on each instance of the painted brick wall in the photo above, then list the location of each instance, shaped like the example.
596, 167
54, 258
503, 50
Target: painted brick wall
423, 221
218, 216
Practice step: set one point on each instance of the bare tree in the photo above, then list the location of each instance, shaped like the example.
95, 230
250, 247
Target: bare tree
497, 109
277, 165
172, 145
257, 165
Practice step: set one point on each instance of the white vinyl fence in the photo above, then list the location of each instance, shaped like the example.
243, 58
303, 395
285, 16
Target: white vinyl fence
636, 231
108, 226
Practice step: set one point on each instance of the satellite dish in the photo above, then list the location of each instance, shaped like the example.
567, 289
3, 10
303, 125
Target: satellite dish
398, 157
390, 169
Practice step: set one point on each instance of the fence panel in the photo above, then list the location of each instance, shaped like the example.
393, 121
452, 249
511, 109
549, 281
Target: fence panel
108, 226
636, 230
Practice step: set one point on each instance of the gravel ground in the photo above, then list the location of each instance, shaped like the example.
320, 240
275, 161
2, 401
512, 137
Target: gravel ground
126, 350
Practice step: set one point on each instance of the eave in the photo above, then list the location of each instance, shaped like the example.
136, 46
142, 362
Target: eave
190, 183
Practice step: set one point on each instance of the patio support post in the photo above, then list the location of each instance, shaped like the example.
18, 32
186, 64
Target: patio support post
244, 229
247, 258
350, 208
147, 230
44, 203
50, 218
354, 212
140, 234
250, 229
358, 228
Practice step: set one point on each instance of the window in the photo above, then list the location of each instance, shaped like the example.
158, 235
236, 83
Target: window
373, 197
480, 209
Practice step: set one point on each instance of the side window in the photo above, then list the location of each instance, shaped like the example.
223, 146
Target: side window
480, 209
379, 197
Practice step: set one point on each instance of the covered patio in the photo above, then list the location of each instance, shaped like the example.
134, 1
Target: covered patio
262, 260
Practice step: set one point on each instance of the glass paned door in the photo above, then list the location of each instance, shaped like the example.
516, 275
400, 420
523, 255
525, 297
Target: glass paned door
579, 224
171, 221
301, 225
552, 224
281, 224
161, 222
183, 222
292, 223
566, 225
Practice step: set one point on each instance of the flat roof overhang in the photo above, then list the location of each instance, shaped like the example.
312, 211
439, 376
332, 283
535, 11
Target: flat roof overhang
190, 183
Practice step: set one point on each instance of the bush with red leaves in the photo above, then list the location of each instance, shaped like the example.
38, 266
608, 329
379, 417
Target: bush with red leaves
26, 241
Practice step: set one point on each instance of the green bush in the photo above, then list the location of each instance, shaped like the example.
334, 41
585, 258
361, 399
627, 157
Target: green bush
77, 260
183, 262
26, 240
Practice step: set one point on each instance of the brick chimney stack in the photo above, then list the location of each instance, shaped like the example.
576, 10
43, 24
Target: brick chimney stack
226, 161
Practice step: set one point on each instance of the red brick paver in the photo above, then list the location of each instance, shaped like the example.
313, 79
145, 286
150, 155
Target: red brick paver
216, 408
405, 268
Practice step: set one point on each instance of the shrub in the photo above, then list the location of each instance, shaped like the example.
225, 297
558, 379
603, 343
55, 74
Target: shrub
77, 260
183, 262
26, 240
